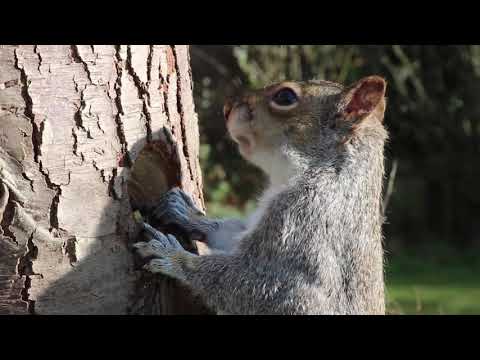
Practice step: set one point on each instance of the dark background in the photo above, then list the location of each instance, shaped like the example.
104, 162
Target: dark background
433, 117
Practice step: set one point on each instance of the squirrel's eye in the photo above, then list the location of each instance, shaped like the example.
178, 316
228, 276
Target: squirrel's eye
285, 97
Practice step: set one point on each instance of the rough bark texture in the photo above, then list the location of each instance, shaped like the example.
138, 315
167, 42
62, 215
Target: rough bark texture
73, 121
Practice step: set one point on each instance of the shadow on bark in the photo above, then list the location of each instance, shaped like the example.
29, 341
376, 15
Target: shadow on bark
106, 277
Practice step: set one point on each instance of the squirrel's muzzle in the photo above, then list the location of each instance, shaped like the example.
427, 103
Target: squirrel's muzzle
227, 108
247, 101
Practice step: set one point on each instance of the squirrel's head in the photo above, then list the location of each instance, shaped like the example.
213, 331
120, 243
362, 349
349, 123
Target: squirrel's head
304, 119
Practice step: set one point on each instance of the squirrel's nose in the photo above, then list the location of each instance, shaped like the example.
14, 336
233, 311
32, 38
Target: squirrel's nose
231, 103
227, 108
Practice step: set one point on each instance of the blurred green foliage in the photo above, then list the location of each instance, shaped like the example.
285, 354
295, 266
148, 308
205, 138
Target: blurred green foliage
433, 116
432, 234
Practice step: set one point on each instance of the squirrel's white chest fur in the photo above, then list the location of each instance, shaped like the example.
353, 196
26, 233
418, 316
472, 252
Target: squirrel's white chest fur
280, 171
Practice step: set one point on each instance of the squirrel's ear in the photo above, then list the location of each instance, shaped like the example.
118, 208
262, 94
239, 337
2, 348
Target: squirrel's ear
363, 97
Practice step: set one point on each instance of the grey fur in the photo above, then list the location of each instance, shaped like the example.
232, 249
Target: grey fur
315, 244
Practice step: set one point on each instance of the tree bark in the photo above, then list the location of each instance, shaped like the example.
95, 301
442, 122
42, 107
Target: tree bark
88, 133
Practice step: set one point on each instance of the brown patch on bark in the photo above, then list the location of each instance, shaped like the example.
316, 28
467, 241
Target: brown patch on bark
170, 60
155, 171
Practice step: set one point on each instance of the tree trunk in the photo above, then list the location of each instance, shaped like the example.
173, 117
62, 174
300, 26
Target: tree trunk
88, 133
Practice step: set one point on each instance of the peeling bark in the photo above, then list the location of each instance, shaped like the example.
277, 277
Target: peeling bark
73, 121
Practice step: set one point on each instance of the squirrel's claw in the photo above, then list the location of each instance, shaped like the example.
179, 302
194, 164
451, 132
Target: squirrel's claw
166, 266
152, 233
159, 244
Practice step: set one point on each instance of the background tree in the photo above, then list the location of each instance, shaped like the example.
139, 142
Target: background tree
88, 133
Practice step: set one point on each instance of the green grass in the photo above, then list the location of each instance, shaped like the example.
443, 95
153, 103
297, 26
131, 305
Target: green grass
441, 282
426, 280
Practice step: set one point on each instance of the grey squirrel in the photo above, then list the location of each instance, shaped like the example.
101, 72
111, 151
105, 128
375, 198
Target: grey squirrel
314, 245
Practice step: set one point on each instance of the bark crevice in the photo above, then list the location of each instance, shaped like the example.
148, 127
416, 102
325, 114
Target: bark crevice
54, 210
7, 213
143, 93
70, 249
28, 111
78, 59
125, 156
35, 48
24, 175
181, 114
25, 268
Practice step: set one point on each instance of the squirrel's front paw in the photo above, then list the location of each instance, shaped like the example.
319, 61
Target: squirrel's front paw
166, 251
166, 266
175, 207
